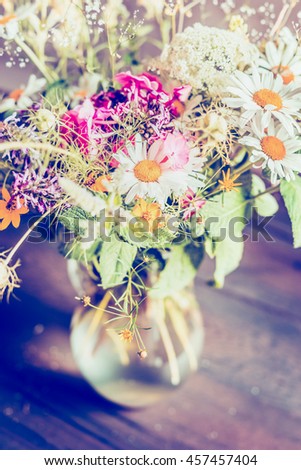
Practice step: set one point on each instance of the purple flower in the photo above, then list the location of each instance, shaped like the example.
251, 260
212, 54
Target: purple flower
37, 188
13, 129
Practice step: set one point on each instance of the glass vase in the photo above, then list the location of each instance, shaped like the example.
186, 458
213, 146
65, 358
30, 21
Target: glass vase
173, 337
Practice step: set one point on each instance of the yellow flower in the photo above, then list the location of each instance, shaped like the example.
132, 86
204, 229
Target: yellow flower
9, 211
126, 335
149, 211
227, 183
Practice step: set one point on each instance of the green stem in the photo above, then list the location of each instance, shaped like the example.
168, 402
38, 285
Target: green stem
35, 60
178, 320
167, 342
271, 190
35, 146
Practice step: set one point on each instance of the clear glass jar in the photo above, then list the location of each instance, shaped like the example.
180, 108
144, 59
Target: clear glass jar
173, 338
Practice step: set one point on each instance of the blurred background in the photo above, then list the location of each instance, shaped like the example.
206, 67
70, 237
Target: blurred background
247, 393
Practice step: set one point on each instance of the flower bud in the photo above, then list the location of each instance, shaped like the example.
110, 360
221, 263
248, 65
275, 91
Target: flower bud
46, 120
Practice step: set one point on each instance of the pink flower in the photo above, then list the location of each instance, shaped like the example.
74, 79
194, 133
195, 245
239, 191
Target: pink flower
173, 151
147, 88
82, 125
75, 130
191, 203
145, 81
182, 93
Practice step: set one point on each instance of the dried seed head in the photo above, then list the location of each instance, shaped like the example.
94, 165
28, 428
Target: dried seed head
142, 354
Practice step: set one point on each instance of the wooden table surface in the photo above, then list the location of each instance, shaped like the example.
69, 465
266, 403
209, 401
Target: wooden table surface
246, 395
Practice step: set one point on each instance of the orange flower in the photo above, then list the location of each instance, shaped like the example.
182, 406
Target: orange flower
126, 335
9, 211
100, 185
149, 211
227, 183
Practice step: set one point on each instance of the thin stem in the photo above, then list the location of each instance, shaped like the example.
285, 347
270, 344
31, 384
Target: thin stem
33, 145
243, 169
181, 18
191, 5
120, 347
112, 54
167, 342
28, 232
35, 60
180, 327
99, 313
271, 190
173, 25
283, 17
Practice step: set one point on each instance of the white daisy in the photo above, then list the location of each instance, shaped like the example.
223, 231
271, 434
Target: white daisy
9, 23
284, 57
21, 98
263, 94
274, 148
149, 174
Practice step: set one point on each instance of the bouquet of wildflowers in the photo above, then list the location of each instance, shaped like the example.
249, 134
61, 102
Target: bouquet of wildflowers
147, 140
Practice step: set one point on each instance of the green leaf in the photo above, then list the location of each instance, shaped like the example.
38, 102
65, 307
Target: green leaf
291, 193
73, 219
266, 205
258, 185
228, 257
115, 261
222, 211
209, 246
225, 221
179, 271
82, 251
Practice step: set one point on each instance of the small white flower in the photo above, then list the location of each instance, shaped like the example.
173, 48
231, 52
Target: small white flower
263, 94
274, 148
284, 57
148, 174
9, 23
21, 98
206, 57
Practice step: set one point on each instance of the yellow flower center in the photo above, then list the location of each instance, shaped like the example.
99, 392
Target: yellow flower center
285, 72
264, 97
6, 19
273, 147
147, 171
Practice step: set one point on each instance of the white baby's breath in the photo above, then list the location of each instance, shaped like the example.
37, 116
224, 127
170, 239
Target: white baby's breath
205, 57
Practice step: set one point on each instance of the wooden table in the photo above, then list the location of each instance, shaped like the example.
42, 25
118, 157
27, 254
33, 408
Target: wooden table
246, 395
